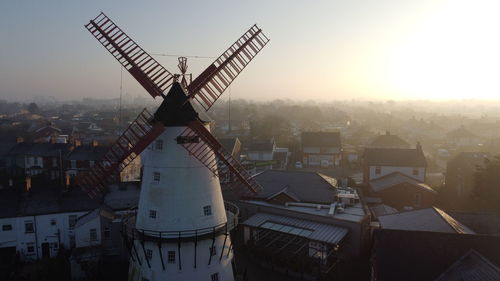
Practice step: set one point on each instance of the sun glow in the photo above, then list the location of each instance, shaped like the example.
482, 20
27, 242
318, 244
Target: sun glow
454, 54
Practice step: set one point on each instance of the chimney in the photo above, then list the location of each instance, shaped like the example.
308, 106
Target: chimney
94, 143
19, 139
418, 146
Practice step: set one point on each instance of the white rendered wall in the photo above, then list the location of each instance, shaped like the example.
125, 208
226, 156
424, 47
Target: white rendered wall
185, 187
385, 170
203, 271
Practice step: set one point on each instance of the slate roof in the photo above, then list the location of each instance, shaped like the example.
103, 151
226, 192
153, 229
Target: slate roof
429, 219
471, 267
306, 186
424, 256
40, 149
460, 132
261, 145
396, 157
471, 159
387, 140
47, 200
321, 139
87, 153
314, 231
396, 178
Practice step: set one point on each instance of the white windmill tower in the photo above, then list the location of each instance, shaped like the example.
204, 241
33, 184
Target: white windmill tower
181, 228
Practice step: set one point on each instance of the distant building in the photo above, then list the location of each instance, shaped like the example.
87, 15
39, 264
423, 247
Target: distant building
31, 159
461, 137
460, 174
388, 141
42, 221
402, 192
378, 162
321, 148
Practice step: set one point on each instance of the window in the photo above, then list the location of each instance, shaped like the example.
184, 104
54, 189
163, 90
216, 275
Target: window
149, 254
215, 276
73, 164
213, 251
6, 227
418, 199
171, 257
152, 214
91, 163
28, 227
52, 221
36, 161
107, 233
415, 172
159, 145
72, 221
93, 234
378, 170
72, 241
30, 247
207, 210
54, 162
156, 177
188, 139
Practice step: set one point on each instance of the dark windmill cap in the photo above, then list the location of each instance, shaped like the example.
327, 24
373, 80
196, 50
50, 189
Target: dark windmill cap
176, 110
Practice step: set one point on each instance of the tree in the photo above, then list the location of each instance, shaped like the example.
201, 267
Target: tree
33, 108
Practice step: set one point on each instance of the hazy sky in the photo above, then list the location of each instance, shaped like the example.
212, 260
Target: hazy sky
342, 49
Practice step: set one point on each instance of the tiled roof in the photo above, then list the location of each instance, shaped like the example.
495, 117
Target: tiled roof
429, 219
396, 178
321, 139
306, 186
389, 141
400, 157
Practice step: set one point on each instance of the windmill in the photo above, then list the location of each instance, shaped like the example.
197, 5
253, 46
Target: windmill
182, 224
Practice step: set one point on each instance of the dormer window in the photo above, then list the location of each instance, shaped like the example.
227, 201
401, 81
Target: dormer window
378, 170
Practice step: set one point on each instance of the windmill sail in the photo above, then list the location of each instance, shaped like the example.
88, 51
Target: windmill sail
139, 134
214, 80
145, 69
207, 146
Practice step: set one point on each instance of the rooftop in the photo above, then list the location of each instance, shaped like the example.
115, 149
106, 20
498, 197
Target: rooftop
321, 139
405, 157
396, 178
389, 141
306, 186
312, 230
429, 219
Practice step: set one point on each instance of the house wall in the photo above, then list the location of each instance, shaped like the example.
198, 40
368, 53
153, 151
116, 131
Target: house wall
50, 228
82, 233
315, 159
385, 170
260, 155
405, 195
